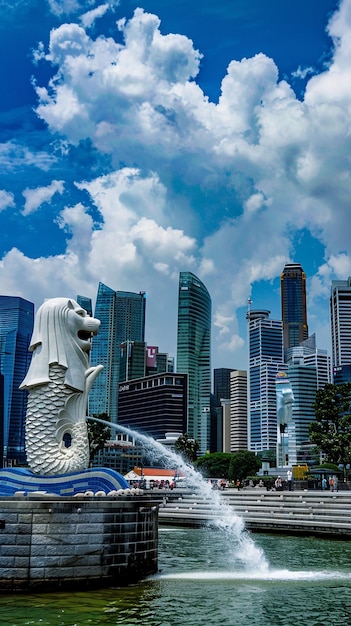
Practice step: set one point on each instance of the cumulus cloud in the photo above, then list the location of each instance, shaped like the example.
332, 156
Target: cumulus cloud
219, 188
36, 197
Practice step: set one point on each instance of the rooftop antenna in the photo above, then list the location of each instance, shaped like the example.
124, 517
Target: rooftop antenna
249, 302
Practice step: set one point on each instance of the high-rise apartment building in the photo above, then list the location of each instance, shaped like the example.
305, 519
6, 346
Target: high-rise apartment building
238, 410
122, 317
194, 355
340, 321
293, 302
265, 360
16, 327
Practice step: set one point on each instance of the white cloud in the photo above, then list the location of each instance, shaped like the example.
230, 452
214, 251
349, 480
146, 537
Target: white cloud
222, 322
88, 18
36, 197
14, 155
6, 199
302, 72
337, 267
221, 189
65, 7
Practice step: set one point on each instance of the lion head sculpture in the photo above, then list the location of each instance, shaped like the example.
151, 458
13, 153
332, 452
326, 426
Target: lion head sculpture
62, 334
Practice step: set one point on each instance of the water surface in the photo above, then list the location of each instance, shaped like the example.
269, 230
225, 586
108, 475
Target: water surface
202, 581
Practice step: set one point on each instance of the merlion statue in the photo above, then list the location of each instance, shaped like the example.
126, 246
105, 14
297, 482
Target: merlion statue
59, 380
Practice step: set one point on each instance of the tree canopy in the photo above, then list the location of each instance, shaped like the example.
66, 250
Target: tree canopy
243, 464
98, 434
187, 447
215, 465
331, 432
235, 466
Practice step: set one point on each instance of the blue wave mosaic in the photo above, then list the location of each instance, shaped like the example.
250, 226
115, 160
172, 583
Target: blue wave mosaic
95, 479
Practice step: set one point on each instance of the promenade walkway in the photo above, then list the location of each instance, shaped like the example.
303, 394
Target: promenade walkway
298, 512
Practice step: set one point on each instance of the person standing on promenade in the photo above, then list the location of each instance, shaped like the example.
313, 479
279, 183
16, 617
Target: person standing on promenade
289, 477
278, 484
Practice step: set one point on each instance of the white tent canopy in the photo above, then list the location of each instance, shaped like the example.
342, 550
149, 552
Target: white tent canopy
132, 475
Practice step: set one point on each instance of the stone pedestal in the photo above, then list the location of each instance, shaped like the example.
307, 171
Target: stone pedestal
50, 543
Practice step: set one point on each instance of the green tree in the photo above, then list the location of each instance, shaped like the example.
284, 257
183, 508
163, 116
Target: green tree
215, 465
187, 447
331, 432
243, 463
98, 434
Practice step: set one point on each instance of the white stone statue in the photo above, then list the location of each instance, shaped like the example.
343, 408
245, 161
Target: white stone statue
59, 380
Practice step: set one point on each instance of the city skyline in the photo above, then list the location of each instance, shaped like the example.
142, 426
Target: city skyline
139, 140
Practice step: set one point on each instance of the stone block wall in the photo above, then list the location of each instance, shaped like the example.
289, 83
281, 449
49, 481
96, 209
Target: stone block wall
48, 542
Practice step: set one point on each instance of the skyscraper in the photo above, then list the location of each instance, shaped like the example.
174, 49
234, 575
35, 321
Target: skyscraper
303, 381
308, 354
340, 321
265, 360
194, 355
86, 304
154, 405
221, 383
238, 410
293, 301
132, 360
122, 316
16, 327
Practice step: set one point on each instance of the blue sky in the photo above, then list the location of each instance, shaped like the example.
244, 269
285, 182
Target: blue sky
141, 139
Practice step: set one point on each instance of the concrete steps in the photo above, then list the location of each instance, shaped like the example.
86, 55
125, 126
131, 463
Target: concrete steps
316, 513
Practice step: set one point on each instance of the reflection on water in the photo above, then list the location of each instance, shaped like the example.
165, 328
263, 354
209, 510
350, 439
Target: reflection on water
201, 581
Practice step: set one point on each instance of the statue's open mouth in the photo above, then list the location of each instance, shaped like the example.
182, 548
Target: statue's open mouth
85, 335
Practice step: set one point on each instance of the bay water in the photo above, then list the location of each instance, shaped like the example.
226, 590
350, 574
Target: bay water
202, 580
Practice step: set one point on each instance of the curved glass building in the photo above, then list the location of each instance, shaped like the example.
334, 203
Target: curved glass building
194, 354
122, 316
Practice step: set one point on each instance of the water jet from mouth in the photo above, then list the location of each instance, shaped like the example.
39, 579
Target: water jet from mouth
240, 544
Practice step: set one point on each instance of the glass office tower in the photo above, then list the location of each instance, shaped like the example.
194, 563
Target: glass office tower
293, 302
16, 327
86, 304
122, 317
265, 361
194, 355
221, 383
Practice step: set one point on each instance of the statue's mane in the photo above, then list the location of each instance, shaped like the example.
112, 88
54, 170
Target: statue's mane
53, 342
